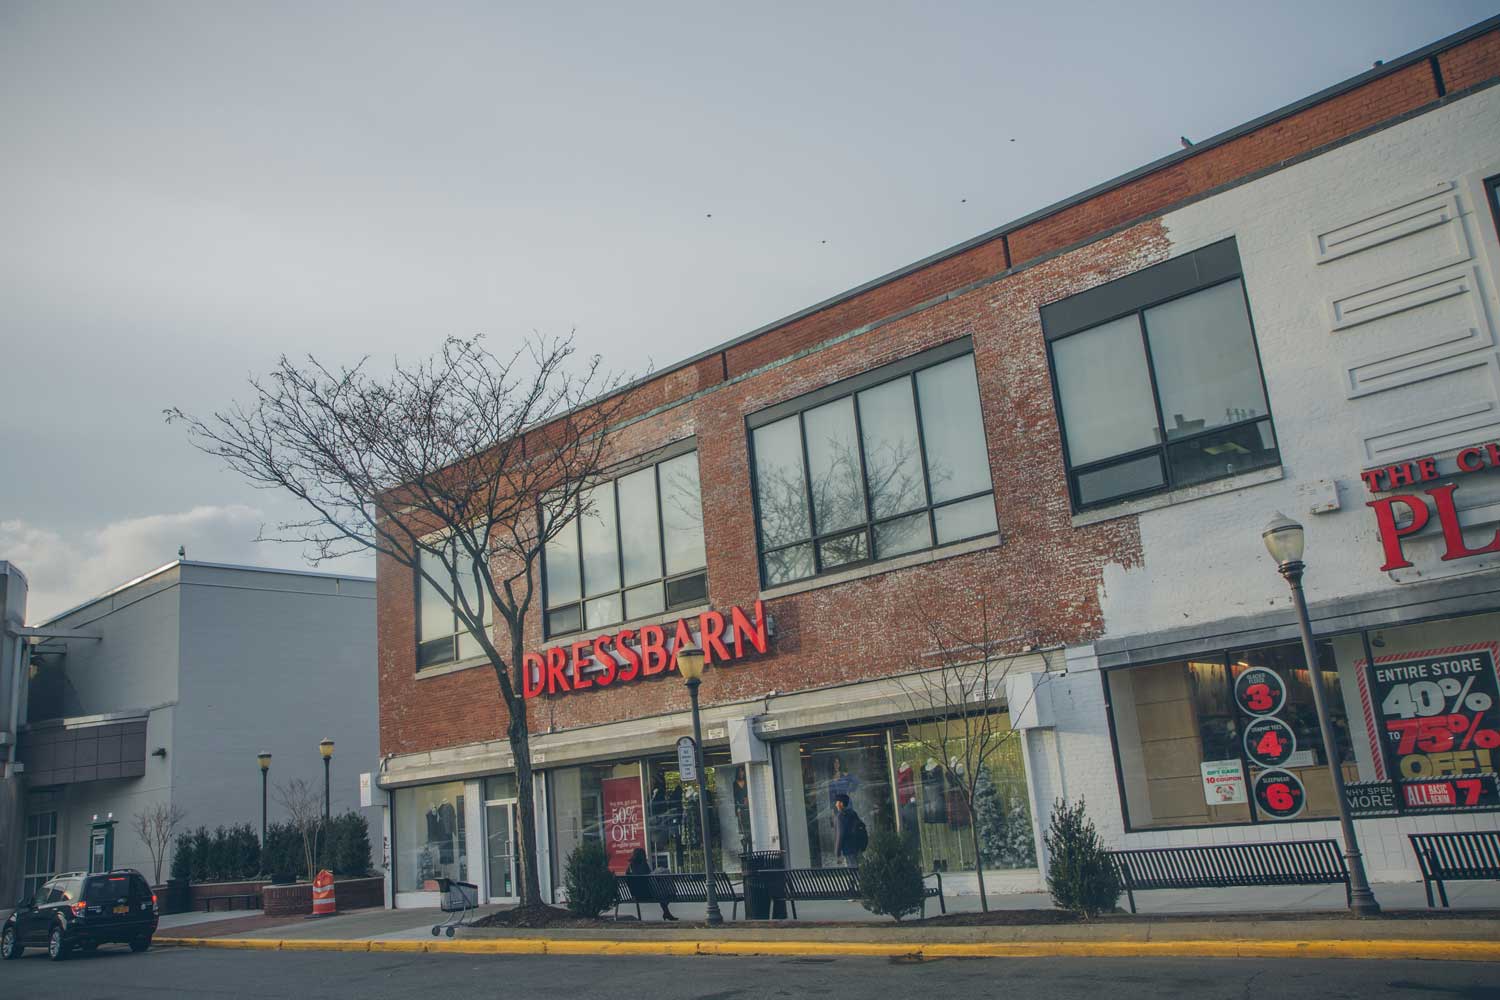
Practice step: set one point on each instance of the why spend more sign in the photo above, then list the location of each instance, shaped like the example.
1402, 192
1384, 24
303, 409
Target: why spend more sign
633, 654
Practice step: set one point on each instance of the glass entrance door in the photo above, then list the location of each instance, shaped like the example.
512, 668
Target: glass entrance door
500, 836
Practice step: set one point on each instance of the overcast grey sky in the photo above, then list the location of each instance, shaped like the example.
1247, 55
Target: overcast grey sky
188, 190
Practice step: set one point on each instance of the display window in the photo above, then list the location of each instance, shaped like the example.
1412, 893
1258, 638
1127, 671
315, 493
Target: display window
597, 803
675, 829
429, 835
813, 772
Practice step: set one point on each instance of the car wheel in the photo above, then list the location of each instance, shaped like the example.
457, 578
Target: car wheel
10, 944
140, 944
57, 948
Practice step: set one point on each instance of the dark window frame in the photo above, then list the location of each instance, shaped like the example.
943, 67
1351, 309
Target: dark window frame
453, 638
651, 460
907, 368
1188, 275
1492, 189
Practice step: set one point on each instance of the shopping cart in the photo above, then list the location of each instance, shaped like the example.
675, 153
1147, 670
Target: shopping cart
459, 899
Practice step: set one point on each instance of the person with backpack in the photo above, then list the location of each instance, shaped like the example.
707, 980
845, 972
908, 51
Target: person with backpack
850, 837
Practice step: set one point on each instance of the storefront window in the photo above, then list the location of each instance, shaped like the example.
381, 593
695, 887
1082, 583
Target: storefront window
1180, 737
429, 833
932, 771
598, 803
674, 828
813, 772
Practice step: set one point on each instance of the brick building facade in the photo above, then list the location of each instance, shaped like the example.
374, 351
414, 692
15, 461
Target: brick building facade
1083, 569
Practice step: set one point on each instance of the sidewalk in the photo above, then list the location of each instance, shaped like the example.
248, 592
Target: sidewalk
1267, 922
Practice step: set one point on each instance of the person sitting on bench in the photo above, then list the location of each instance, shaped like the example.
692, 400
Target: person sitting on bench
639, 874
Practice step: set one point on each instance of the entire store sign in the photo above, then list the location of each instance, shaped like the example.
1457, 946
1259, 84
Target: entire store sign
1388, 478
633, 654
1434, 713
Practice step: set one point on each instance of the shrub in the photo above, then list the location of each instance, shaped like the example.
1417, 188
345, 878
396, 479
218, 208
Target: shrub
182, 856
282, 854
346, 845
890, 880
1080, 874
590, 883
242, 852
202, 855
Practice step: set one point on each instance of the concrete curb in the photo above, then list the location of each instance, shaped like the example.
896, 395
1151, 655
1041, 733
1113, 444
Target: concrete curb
1464, 951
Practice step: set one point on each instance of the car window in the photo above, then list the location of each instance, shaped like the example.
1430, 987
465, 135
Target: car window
108, 889
73, 888
56, 893
43, 894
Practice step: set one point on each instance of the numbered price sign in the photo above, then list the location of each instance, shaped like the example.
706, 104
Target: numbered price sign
1259, 691
1437, 713
1279, 794
1269, 742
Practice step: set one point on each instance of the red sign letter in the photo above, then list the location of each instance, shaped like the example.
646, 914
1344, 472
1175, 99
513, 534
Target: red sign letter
1452, 534
581, 659
605, 659
710, 628
1471, 460
744, 630
1390, 535
533, 667
632, 658
557, 664
653, 650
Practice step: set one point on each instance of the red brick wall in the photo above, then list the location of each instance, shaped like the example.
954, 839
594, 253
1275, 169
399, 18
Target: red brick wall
1472, 62
348, 894
1043, 579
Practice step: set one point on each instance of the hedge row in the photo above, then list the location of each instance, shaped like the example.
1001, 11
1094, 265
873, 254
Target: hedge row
235, 853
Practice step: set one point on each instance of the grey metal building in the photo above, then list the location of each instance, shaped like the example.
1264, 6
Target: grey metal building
164, 690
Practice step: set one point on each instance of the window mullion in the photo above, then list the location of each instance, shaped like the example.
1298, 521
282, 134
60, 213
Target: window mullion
807, 492
1161, 418
864, 480
661, 533
916, 408
619, 547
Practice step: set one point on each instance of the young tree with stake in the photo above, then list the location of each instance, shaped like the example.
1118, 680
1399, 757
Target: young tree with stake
458, 469
156, 825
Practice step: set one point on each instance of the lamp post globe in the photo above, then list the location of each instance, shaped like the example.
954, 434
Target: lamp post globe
1284, 540
326, 749
264, 760
690, 665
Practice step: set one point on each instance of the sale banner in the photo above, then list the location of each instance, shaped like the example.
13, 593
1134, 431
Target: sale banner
624, 821
1435, 713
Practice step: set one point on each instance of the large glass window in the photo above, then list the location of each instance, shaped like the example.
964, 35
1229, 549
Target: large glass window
887, 466
429, 834
41, 851
933, 813
636, 550
1180, 737
597, 803
674, 829
1168, 394
813, 772
441, 635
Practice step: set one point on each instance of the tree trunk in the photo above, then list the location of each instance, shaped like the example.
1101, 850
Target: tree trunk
520, 749
984, 900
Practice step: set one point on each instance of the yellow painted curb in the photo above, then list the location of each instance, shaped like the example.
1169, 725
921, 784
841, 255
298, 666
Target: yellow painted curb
1468, 951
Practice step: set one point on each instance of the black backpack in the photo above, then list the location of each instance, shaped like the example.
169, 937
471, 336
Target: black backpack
859, 836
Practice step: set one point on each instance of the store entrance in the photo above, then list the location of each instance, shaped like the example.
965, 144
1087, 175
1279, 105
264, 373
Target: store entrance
500, 849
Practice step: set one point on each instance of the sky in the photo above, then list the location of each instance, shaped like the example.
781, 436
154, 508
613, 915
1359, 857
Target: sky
189, 190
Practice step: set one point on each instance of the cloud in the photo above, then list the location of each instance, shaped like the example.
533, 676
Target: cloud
66, 570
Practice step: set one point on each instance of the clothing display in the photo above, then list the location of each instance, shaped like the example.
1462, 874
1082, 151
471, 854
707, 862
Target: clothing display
441, 826
958, 807
934, 792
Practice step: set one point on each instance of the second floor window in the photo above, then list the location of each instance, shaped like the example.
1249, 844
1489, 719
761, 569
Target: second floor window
884, 464
636, 551
441, 636
1158, 380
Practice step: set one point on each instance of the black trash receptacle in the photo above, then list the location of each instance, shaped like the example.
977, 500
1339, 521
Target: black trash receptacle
764, 899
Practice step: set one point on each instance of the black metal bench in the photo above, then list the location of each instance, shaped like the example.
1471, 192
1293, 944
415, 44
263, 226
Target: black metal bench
810, 884
1286, 862
677, 887
1455, 857
251, 901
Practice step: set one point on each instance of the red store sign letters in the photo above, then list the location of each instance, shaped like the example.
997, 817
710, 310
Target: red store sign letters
634, 654
1422, 470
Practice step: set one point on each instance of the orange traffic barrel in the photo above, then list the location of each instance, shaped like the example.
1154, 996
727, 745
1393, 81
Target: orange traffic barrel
322, 896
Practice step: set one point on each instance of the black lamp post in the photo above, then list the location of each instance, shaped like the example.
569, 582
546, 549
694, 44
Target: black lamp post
264, 760
326, 749
1283, 538
690, 665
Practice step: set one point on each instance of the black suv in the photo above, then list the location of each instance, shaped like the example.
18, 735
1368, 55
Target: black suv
78, 910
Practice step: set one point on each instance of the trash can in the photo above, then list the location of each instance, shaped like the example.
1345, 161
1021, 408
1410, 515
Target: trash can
764, 898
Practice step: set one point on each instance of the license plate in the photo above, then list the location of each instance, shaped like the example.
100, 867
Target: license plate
123, 908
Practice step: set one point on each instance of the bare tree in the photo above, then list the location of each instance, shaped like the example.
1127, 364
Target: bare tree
304, 810
955, 701
460, 469
155, 825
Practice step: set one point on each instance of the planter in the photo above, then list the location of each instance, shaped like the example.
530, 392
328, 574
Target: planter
175, 896
201, 895
349, 894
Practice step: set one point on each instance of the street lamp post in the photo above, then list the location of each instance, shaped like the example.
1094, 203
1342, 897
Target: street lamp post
264, 760
1283, 538
690, 665
326, 749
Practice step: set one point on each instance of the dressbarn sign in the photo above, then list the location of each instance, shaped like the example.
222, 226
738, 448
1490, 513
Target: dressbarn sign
634, 654
1420, 506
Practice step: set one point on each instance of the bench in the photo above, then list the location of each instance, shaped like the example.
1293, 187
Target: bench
1287, 862
1455, 857
251, 901
677, 887
809, 884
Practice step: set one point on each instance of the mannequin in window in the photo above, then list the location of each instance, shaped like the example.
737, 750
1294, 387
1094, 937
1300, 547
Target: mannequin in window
934, 792
958, 807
